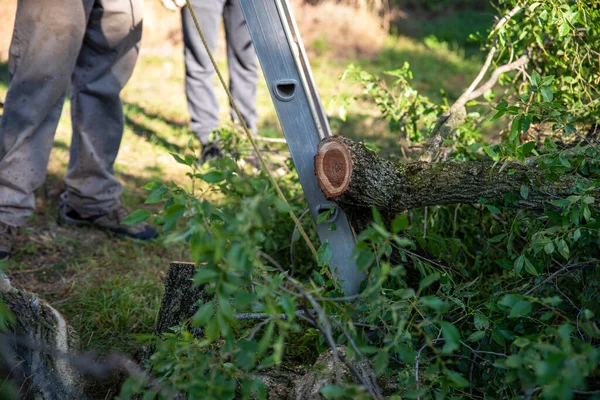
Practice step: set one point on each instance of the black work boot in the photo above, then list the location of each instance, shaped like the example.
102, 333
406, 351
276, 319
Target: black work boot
210, 151
111, 221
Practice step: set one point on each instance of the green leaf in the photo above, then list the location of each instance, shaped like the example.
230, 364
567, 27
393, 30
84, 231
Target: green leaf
525, 125
187, 161
481, 321
563, 248
535, 78
570, 128
205, 275
529, 267
288, 305
526, 148
493, 209
497, 337
589, 199
549, 248
489, 151
318, 278
324, 254
587, 214
243, 299
364, 257
518, 265
152, 185
510, 300
380, 362
172, 215
428, 280
476, 336
547, 93
457, 379
399, 223
521, 342
564, 162
433, 302
203, 315
136, 217
515, 129
157, 195
497, 238
499, 114
520, 309
333, 391
451, 337
325, 215
524, 192
212, 177
564, 29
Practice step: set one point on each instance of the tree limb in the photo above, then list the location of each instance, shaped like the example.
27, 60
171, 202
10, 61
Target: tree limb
357, 178
456, 114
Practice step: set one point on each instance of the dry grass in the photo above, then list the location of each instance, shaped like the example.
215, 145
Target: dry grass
8, 9
341, 30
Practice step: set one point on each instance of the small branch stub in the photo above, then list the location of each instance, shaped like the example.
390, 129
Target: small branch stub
333, 167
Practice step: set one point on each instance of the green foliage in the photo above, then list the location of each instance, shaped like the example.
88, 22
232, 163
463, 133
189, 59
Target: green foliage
6, 317
408, 113
493, 302
562, 38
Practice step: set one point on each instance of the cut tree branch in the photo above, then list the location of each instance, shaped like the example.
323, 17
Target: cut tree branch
356, 178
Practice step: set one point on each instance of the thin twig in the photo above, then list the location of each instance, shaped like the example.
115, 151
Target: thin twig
560, 271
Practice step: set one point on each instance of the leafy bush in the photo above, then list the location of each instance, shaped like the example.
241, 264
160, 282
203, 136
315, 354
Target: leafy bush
465, 301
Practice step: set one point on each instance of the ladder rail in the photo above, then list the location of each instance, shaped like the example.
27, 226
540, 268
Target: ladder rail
292, 87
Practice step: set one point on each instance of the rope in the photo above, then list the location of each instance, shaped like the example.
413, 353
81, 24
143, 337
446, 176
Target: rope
263, 163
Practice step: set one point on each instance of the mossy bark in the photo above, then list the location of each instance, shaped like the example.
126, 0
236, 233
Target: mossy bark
395, 187
181, 298
35, 351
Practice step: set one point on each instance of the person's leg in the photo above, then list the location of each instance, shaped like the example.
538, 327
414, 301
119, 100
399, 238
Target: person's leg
199, 84
46, 41
243, 64
104, 66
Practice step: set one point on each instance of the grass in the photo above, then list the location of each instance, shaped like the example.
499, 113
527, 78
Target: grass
110, 289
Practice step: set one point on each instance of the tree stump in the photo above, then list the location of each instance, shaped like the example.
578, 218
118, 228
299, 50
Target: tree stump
35, 351
181, 297
323, 373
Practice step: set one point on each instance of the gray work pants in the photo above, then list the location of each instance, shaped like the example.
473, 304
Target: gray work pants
93, 45
199, 80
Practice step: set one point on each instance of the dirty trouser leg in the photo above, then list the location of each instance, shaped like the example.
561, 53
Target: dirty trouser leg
46, 41
199, 78
104, 66
243, 64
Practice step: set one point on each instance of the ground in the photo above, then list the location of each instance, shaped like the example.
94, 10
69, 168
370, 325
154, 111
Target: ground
110, 289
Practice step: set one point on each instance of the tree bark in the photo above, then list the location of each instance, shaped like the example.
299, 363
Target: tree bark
26, 348
356, 177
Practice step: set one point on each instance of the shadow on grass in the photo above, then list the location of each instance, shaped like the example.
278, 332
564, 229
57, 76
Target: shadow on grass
454, 26
142, 121
434, 71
